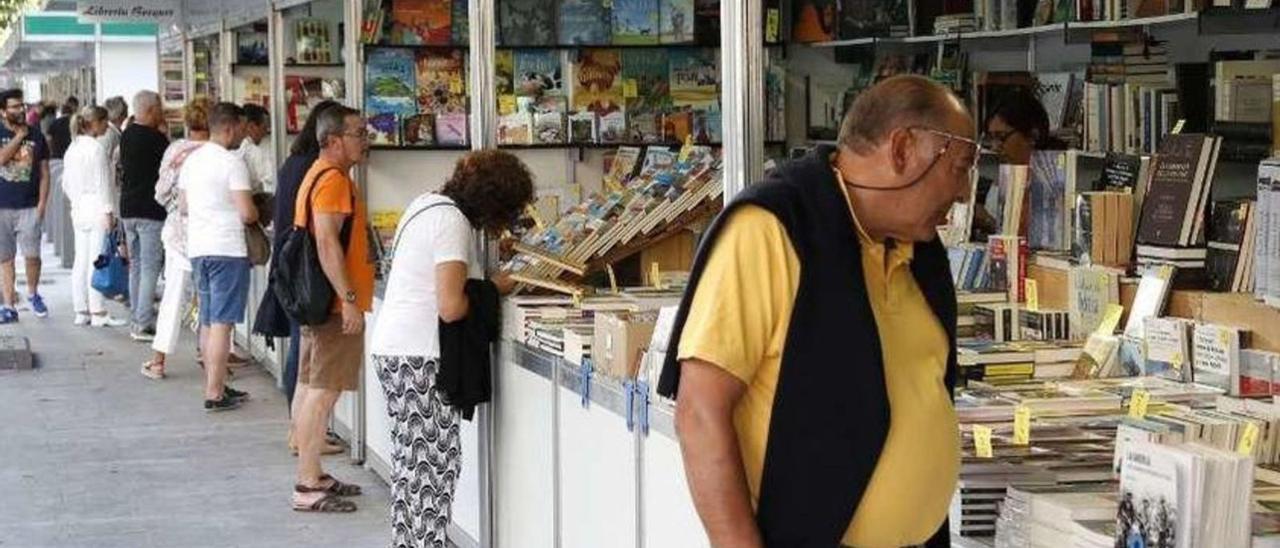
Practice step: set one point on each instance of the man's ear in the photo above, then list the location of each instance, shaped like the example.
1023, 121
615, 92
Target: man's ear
901, 143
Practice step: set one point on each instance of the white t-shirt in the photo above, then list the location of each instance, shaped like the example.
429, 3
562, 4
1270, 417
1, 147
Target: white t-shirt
408, 318
262, 169
208, 178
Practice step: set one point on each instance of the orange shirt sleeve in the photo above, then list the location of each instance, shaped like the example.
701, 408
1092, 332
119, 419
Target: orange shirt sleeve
333, 194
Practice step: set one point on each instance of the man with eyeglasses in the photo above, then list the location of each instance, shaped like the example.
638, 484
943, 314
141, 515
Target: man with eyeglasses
331, 353
24, 194
813, 354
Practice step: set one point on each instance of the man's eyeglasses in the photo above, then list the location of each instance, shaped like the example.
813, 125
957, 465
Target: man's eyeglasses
950, 138
993, 140
362, 135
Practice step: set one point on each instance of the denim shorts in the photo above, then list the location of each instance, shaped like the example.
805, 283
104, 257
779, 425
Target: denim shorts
222, 285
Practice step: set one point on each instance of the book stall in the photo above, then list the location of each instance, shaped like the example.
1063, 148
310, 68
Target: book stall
1117, 343
1118, 293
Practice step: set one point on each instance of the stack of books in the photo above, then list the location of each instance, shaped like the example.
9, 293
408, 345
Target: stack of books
1185, 495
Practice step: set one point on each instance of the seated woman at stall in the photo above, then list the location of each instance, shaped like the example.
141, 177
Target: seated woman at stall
1017, 127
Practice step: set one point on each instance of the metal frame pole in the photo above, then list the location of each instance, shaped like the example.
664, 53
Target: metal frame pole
742, 77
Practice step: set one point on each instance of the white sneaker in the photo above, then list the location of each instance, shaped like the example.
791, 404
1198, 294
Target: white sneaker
81, 319
105, 320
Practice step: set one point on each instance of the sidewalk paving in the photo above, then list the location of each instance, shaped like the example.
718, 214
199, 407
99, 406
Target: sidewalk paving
92, 454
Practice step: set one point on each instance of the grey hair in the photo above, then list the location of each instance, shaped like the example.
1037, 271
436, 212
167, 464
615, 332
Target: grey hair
144, 100
81, 119
117, 109
894, 103
333, 123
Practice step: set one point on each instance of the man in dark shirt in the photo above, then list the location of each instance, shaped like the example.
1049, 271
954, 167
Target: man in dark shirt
142, 146
60, 129
24, 193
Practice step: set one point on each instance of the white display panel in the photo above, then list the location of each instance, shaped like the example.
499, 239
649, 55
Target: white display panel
597, 476
523, 462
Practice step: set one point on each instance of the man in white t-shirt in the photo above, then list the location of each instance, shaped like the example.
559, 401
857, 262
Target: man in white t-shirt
217, 198
257, 155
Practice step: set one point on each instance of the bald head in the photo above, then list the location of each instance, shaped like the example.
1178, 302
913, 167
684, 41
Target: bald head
897, 102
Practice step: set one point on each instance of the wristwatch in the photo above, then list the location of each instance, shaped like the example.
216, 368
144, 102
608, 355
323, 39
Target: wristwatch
350, 296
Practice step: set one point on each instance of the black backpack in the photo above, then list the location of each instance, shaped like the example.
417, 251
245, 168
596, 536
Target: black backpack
297, 279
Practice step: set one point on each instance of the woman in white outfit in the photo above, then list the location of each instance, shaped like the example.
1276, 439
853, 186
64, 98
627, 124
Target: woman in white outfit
434, 255
177, 269
86, 181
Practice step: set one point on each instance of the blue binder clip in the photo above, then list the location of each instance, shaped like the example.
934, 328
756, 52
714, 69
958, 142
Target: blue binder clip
628, 389
641, 389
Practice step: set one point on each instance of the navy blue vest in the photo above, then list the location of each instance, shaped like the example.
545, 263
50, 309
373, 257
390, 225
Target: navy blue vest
829, 420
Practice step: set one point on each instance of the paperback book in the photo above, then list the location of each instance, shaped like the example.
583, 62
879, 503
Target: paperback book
391, 76
597, 81
695, 78
1051, 196
442, 82
1168, 348
583, 127
515, 128
635, 22
419, 130
1090, 291
585, 22
451, 129
676, 21
1175, 202
417, 22
1217, 357
527, 23
312, 41
538, 73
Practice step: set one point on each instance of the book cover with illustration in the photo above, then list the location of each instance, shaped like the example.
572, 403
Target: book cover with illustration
644, 127
391, 80
1049, 202
635, 22
418, 130
460, 27
312, 41
646, 87
613, 127
582, 127
515, 128
597, 81
548, 127
251, 48
706, 127
676, 21
416, 22
585, 22
695, 78
384, 129
504, 73
442, 82
873, 18
451, 129
537, 73
814, 20
527, 22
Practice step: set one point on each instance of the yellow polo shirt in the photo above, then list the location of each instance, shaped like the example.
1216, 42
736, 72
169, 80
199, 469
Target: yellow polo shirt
738, 321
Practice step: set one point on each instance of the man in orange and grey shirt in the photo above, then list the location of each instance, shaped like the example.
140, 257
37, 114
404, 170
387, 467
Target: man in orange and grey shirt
332, 352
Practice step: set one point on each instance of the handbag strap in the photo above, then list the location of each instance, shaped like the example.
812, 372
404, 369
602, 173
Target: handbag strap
405, 226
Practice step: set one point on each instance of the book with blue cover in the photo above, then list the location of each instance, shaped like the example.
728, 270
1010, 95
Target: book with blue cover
1049, 201
695, 78
391, 82
537, 73
585, 22
635, 22
676, 21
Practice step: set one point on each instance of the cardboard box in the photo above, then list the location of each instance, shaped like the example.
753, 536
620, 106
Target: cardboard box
620, 340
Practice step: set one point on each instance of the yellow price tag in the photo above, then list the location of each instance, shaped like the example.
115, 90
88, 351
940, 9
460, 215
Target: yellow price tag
1110, 319
1033, 295
686, 149
577, 300
630, 88
773, 21
506, 104
1177, 127
1022, 425
1138, 403
533, 213
982, 441
613, 278
655, 275
1248, 439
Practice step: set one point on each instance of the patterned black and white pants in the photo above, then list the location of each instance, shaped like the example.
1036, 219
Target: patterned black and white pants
427, 451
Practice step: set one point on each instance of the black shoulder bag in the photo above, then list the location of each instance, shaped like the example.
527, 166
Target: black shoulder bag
298, 279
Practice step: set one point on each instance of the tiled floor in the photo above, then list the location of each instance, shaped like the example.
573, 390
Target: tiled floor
94, 455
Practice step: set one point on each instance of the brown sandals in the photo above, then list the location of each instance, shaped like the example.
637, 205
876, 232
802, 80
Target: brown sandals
331, 502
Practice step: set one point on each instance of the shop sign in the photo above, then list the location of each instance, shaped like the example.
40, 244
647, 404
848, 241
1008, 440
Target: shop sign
153, 11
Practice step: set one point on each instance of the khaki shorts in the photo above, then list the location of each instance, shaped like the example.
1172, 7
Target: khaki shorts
335, 357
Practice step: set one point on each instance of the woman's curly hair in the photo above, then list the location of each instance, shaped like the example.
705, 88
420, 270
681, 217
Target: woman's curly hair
491, 187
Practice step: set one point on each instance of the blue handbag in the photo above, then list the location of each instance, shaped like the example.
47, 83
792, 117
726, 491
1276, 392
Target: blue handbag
110, 270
